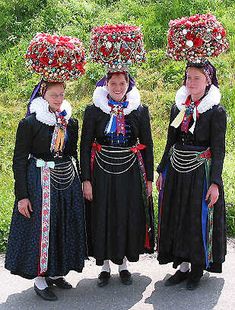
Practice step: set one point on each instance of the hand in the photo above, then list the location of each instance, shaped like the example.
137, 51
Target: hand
25, 207
212, 195
87, 190
159, 182
149, 188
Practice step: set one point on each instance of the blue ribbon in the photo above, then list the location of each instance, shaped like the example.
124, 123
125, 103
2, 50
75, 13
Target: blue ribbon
204, 223
63, 113
111, 127
41, 163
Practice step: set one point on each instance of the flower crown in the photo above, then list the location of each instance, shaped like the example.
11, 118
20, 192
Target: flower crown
196, 37
56, 58
117, 46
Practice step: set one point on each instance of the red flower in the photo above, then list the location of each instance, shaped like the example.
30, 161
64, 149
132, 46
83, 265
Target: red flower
106, 52
124, 51
198, 42
190, 36
51, 40
223, 32
54, 63
170, 43
33, 56
188, 24
44, 60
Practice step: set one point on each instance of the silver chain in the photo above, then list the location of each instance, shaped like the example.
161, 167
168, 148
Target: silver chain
110, 157
115, 164
182, 164
62, 175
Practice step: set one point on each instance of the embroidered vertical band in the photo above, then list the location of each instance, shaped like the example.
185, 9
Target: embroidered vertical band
45, 215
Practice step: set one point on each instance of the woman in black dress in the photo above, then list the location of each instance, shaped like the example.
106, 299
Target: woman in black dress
47, 234
191, 226
117, 173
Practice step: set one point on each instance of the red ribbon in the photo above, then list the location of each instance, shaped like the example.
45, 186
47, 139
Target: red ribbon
96, 147
206, 154
138, 147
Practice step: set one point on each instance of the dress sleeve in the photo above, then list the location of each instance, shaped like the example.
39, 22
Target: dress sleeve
87, 138
74, 127
20, 159
217, 144
171, 139
74, 138
146, 139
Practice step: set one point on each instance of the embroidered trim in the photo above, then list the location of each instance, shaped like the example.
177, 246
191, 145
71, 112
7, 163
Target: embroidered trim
41, 107
212, 98
45, 225
100, 100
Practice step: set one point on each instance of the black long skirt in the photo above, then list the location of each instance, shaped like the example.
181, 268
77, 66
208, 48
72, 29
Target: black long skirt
180, 237
116, 217
67, 238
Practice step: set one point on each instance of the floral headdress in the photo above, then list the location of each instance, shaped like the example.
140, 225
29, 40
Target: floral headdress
117, 46
56, 58
195, 38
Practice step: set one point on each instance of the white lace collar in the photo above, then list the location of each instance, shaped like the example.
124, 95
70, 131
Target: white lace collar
41, 107
100, 100
212, 98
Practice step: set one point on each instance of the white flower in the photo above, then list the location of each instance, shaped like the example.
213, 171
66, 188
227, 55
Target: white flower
185, 31
109, 44
189, 43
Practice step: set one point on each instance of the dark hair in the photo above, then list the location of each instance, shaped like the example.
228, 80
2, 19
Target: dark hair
206, 68
45, 85
111, 74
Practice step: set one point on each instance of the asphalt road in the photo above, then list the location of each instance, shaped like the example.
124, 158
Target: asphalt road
216, 291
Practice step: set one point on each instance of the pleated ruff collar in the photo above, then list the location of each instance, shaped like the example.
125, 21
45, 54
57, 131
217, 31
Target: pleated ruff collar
41, 107
212, 98
100, 100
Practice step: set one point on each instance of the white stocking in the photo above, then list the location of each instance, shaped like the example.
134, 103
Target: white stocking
123, 266
184, 267
106, 266
40, 282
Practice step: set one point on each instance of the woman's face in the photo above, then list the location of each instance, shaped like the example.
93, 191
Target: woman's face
54, 96
117, 86
196, 83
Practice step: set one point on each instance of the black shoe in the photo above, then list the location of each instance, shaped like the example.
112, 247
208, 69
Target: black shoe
103, 278
192, 284
177, 278
60, 282
45, 294
125, 277
193, 281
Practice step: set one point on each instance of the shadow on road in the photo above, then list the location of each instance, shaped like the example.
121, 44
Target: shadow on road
205, 297
86, 296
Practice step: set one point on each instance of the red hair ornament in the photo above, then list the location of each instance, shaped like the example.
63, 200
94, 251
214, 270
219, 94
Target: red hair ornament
196, 37
117, 46
56, 58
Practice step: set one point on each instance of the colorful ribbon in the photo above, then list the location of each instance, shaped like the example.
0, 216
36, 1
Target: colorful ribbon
116, 123
184, 117
45, 215
59, 134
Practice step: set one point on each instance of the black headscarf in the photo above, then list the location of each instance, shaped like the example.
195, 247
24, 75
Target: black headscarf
209, 71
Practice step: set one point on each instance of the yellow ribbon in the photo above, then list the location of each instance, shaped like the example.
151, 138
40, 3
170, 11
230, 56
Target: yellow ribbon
179, 118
